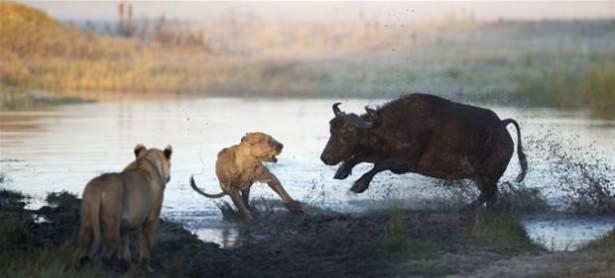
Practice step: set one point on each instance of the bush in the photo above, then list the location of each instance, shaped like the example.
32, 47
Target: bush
61, 197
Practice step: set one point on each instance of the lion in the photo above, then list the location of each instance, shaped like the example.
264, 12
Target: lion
239, 166
115, 204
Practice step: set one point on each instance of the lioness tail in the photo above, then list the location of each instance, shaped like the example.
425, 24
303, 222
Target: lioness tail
193, 185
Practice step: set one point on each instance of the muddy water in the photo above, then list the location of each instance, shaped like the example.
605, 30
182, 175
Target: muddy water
62, 148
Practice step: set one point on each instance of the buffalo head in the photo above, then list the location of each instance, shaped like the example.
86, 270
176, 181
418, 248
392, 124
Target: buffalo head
346, 130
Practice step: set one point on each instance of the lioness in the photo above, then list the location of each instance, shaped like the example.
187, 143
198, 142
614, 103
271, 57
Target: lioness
114, 204
239, 166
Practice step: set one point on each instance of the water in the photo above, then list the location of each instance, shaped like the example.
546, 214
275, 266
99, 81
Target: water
62, 148
566, 233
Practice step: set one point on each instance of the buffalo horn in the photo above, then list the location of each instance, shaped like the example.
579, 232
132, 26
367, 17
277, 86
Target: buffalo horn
336, 109
371, 112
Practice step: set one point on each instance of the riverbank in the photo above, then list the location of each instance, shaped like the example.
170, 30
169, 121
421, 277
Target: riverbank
559, 64
389, 243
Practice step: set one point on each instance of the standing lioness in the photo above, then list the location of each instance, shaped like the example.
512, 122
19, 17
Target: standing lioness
114, 204
239, 166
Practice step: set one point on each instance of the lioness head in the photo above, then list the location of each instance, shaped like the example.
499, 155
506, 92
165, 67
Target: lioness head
161, 159
262, 146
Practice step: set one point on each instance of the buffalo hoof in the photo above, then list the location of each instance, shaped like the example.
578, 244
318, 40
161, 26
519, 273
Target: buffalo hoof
359, 186
341, 173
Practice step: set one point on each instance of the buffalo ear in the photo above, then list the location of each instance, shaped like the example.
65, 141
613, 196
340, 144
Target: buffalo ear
168, 151
139, 149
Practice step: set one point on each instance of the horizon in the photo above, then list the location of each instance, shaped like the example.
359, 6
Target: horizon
331, 11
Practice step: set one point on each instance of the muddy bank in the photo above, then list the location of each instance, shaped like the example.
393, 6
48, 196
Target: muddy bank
388, 243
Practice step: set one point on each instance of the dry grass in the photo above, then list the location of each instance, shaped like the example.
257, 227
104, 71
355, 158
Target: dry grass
560, 64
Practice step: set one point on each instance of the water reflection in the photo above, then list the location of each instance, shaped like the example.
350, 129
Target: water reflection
558, 233
226, 237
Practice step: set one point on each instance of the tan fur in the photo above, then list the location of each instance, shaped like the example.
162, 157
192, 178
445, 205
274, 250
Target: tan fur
239, 166
114, 204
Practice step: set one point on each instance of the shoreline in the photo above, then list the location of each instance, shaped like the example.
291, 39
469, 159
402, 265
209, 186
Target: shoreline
389, 243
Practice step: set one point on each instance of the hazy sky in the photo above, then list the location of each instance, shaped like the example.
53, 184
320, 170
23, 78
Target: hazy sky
330, 11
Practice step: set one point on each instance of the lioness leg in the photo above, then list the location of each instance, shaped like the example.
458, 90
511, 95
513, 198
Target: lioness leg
245, 196
86, 240
241, 206
111, 240
89, 237
146, 239
125, 254
263, 175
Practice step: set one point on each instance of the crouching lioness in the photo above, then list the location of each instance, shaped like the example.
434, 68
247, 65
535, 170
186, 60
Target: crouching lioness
114, 204
239, 166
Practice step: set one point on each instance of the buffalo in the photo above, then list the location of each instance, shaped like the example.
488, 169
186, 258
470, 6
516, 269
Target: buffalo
428, 135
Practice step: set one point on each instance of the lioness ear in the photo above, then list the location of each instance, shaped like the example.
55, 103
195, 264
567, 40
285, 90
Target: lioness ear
139, 149
168, 151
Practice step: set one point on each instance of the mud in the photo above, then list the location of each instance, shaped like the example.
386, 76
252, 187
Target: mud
388, 243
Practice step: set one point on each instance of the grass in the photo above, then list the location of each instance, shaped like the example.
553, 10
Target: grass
61, 197
569, 81
14, 99
604, 244
395, 239
7, 194
364, 59
501, 231
24, 254
12, 195
15, 236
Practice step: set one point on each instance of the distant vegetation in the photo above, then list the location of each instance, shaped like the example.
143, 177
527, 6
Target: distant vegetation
564, 64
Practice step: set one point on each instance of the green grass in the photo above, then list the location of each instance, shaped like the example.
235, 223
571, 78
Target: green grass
502, 232
22, 254
8, 194
14, 99
15, 236
605, 243
12, 195
395, 239
569, 81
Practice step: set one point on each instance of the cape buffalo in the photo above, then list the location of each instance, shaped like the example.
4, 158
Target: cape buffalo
428, 135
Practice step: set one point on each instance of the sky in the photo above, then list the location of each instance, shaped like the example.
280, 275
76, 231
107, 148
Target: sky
331, 11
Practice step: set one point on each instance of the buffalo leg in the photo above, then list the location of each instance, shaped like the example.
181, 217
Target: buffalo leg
488, 192
362, 183
345, 168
